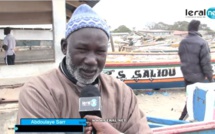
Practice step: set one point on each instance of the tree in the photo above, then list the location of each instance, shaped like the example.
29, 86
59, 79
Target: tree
179, 25
206, 28
150, 25
121, 29
158, 26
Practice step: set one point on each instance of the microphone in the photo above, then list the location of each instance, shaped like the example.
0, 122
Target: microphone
90, 102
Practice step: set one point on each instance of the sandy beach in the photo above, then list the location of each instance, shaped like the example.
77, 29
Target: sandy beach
163, 104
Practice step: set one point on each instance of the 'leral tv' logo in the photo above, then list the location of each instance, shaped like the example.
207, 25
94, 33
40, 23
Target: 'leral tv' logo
211, 13
201, 13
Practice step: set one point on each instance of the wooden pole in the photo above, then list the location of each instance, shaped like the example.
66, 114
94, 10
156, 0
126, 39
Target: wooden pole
3, 100
111, 42
59, 27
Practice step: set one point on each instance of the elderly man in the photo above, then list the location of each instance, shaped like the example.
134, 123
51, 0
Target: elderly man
56, 93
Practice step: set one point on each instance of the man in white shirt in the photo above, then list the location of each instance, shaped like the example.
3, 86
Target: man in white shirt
9, 45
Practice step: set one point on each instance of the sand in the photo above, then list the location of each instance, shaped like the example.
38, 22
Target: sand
162, 104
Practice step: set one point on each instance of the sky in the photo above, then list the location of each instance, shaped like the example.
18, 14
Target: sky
139, 13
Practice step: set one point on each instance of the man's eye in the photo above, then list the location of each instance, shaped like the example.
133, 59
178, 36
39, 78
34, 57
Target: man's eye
82, 49
101, 51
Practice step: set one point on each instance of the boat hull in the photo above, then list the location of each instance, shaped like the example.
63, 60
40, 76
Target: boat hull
187, 128
148, 75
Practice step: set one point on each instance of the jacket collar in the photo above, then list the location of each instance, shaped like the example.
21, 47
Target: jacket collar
194, 33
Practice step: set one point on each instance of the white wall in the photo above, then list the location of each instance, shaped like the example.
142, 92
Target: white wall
29, 34
26, 70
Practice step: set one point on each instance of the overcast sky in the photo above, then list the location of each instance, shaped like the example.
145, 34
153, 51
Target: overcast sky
138, 13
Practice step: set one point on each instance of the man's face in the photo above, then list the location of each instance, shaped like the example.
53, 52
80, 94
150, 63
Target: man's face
5, 32
86, 54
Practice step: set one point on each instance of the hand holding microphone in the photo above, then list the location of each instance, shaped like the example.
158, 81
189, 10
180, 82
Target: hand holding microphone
90, 108
90, 102
100, 127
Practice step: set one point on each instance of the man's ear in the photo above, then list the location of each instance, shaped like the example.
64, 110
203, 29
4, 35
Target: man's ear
63, 46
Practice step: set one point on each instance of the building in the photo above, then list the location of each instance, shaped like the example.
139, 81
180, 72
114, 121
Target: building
155, 32
180, 33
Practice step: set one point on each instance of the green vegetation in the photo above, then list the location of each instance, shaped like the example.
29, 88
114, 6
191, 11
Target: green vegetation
121, 29
179, 25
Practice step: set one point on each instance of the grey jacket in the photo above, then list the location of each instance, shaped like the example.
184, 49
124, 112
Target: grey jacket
194, 54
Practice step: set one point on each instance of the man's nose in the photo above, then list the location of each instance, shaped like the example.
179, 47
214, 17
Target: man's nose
91, 59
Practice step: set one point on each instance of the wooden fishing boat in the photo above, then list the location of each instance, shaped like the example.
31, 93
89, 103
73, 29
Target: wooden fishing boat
201, 111
187, 128
147, 71
137, 70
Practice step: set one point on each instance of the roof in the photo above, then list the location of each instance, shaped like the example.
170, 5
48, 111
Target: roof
118, 34
17, 12
154, 31
180, 32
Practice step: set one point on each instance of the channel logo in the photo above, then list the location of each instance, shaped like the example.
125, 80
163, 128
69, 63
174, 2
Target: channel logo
202, 13
211, 13
93, 102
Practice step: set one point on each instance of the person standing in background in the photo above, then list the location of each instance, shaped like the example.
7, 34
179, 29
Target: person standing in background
194, 54
9, 45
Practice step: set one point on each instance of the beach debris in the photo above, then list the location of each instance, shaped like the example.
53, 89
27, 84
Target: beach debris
165, 93
150, 93
11, 86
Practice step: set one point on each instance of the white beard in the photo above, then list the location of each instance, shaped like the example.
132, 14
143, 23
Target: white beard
74, 71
